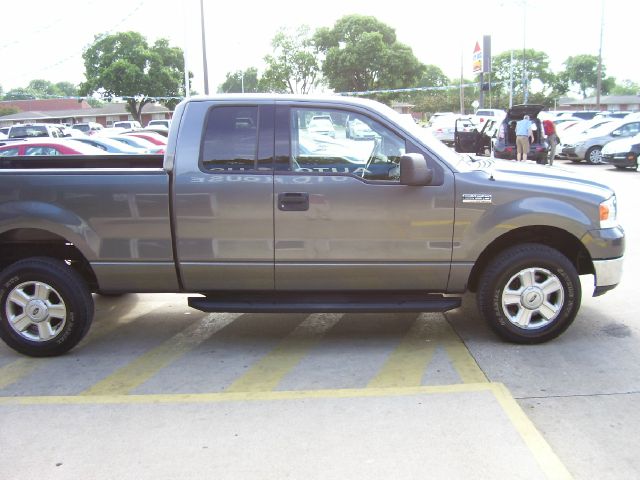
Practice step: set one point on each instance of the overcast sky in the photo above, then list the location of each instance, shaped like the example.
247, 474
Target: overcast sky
45, 39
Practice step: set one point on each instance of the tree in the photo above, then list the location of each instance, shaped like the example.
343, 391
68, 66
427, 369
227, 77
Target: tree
538, 76
241, 82
66, 89
626, 87
8, 111
582, 71
362, 53
430, 100
124, 65
293, 67
19, 94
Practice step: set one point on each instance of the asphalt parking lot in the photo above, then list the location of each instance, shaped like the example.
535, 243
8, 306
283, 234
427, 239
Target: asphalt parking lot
158, 390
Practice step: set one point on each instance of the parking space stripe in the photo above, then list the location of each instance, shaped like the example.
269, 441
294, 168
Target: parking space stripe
549, 462
17, 369
544, 455
266, 374
407, 363
22, 367
466, 366
143, 368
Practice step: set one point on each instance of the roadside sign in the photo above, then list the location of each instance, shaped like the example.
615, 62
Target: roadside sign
477, 59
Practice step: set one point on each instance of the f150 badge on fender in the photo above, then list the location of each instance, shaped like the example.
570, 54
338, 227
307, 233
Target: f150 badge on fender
476, 198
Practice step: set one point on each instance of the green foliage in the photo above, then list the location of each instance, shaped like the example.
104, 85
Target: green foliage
125, 65
582, 71
626, 87
19, 94
8, 111
537, 70
239, 82
361, 53
294, 66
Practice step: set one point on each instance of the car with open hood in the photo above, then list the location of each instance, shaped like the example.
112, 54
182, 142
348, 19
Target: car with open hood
505, 144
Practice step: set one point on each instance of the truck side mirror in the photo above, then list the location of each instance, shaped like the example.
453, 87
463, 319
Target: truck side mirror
414, 170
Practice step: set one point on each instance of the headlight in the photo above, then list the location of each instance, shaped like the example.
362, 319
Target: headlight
609, 213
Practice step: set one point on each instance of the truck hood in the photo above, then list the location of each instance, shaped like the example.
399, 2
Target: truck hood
536, 177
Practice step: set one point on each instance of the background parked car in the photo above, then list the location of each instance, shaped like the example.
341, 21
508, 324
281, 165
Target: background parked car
505, 144
159, 123
588, 146
127, 124
139, 143
111, 146
88, 128
623, 153
444, 127
483, 114
48, 147
321, 126
358, 130
35, 130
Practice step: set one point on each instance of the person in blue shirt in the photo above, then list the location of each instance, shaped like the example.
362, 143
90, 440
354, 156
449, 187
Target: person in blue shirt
524, 134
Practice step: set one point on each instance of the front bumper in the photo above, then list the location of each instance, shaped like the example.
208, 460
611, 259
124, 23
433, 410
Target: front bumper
628, 159
606, 246
608, 275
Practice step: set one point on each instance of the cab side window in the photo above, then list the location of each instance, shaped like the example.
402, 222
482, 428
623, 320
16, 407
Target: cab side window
230, 141
328, 141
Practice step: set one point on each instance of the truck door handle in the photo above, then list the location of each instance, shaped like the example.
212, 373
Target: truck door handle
293, 202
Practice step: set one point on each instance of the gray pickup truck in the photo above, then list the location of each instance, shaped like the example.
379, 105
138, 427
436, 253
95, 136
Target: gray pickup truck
253, 210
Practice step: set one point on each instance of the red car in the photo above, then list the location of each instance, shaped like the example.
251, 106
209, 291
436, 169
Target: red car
47, 147
152, 137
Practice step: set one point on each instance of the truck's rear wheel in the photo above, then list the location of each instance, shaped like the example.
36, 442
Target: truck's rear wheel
45, 307
529, 293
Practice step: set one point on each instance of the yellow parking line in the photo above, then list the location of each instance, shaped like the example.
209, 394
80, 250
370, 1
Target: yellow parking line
548, 461
466, 366
219, 397
143, 368
271, 369
544, 455
407, 363
17, 369
20, 368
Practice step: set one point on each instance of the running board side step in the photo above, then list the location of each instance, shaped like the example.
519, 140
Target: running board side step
323, 302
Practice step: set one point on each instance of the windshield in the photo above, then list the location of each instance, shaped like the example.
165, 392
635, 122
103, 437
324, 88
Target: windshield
454, 159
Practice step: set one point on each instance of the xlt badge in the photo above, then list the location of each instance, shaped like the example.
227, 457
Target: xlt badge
476, 198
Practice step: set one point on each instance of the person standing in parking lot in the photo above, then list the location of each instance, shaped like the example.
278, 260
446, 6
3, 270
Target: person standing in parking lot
524, 134
552, 138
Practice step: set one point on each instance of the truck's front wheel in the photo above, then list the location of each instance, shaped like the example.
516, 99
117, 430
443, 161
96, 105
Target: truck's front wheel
529, 293
45, 307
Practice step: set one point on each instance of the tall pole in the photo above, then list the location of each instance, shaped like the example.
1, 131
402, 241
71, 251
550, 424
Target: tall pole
204, 51
511, 81
599, 85
187, 87
461, 81
525, 88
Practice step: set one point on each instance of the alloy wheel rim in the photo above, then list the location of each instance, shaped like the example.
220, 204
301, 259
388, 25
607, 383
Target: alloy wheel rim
532, 298
36, 311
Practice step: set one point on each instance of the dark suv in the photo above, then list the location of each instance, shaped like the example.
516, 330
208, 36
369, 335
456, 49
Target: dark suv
505, 145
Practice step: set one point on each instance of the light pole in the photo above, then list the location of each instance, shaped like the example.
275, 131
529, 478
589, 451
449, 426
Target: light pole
204, 51
525, 87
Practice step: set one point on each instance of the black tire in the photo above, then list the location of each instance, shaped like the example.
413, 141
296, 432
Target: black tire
511, 299
46, 307
594, 155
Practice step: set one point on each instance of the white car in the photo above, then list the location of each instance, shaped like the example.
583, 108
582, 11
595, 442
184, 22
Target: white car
444, 127
321, 126
483, 114
159, 123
